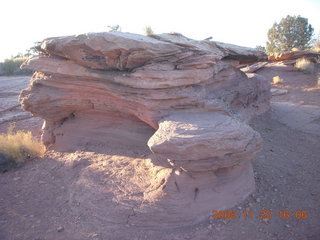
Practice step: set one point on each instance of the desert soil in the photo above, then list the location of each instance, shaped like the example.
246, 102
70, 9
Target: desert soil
40, 200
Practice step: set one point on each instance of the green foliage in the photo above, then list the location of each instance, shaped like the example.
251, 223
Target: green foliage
316, 43
291, 32
10, 66
33, 51
261, 48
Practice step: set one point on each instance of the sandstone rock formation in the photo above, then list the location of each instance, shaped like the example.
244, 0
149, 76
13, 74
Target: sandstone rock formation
291, 57
189, 94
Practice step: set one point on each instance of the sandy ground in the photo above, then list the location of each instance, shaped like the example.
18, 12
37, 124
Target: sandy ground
61, 196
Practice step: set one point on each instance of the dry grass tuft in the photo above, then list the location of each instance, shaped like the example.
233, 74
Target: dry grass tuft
277, 80
148, 31
304, 65
19, 145
295, 49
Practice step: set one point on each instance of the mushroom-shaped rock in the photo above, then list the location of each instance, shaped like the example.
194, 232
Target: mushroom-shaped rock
114, 93
204, 141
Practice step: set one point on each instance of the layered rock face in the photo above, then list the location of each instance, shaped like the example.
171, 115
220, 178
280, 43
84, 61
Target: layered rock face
291, 57
187, 96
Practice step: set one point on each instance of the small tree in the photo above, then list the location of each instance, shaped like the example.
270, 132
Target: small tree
291, 32
316, 43
33, 51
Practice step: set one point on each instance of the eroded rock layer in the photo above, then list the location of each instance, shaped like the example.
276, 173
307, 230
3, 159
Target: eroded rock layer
189, 94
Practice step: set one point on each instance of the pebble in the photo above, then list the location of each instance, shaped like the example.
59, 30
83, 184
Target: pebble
210, 226
239, 208
16, 178
60, 229
258, 200
287, 225
94, 235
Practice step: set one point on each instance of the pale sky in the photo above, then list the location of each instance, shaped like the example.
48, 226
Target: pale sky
241, 22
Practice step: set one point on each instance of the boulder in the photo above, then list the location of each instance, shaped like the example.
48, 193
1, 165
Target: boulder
186, 99
205, 141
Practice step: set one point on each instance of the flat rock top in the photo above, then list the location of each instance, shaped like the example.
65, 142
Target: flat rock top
293, 55
305, 118
127, 51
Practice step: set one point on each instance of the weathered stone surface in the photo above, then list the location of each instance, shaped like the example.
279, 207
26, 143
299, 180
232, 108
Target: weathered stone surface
253, 67
278, 91
205, 141
294, 55
103, 88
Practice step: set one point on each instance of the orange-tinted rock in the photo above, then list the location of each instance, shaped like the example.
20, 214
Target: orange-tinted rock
294, 55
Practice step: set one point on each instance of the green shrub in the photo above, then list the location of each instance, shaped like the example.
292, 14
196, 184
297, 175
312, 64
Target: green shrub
11, 66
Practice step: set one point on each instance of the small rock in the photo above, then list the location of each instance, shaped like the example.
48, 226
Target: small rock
60, 229
278, 92
258, 200
287, 225
209, 226
94, 235
239, 208
16, 178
